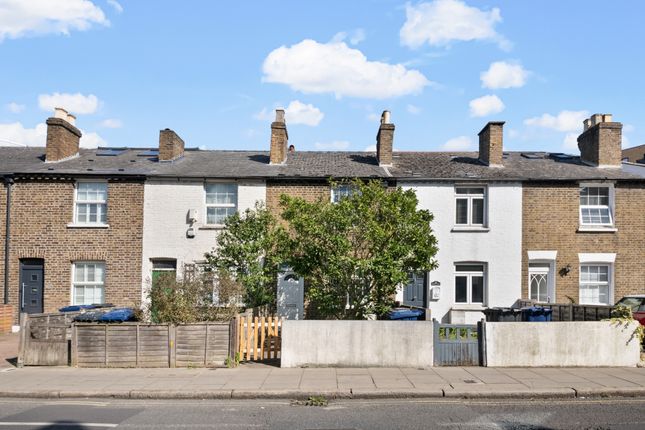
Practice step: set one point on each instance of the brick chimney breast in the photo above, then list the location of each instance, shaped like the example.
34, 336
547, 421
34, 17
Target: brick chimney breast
279, 139
385, 140
171, 146
491, 144
63, 138
600, 143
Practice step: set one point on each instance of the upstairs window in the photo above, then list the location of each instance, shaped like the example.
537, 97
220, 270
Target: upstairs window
470, 204
221, 202
595, 206
91, 203
342, 191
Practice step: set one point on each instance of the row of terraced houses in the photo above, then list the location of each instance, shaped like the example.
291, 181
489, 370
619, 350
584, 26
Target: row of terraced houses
94, 225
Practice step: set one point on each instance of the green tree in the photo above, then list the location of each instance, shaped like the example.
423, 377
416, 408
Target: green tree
249, 250
354, 253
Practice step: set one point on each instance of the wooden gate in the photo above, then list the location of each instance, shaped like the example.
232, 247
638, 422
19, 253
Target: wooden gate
259, 338
457, 344
44, 339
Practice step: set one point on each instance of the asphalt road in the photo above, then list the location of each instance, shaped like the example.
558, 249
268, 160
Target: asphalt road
346, 414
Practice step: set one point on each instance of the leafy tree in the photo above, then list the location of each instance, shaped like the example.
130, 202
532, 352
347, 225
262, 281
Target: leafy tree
354, 253
249, 249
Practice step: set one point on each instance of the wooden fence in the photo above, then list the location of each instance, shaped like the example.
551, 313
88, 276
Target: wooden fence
259, 338
572, 311
150, 345
44, 339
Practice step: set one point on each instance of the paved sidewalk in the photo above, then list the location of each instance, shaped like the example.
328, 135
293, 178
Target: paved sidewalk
267, 382
8, 349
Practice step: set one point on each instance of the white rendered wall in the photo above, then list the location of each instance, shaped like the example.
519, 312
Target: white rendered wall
500, 247
165, 222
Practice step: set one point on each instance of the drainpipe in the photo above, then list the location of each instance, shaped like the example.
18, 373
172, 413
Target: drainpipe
8, 181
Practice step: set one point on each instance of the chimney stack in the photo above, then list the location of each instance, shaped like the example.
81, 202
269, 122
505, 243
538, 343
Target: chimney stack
491, 144
385, 140
63, 138
601, 141
171, 146
279, 139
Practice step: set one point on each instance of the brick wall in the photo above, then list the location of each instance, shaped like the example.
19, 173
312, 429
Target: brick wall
41, 212
600, 145
550, 222
6, 318
308, 190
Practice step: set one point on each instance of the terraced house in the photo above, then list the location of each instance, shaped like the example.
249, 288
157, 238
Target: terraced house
98, 225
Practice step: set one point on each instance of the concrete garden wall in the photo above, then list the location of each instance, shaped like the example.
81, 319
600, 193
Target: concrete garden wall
561, 344
357, 343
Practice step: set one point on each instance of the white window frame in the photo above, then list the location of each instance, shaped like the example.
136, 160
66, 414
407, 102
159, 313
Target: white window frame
102, 204
219, 205
341, 191
609, 283
94, 284
609, 206
469, 197
469, 283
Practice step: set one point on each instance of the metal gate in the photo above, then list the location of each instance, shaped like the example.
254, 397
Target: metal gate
457, 344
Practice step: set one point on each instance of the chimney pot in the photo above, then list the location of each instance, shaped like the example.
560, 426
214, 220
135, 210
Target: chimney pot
63, 138
279, 139
171, 146
385, 140
601, 141
491, 144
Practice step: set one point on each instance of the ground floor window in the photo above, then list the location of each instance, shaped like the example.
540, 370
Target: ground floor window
540, 282
595, 284
469, 283
163, 268
88, 283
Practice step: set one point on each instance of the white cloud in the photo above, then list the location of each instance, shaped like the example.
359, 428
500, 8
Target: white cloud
334, 145
357, 37
566, 120
300, 113
370, 148
502, 74
314, 68
14, 107
486, 105
295, 113
460, 143
115, 5
414, 110
75, 103
19, 18
440, 22
15, 134
111, 123
571, 141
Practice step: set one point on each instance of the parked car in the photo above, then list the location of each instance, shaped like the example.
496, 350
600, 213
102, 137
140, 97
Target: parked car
636, 304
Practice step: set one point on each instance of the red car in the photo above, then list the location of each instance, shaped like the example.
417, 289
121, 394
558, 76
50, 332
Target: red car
636, 304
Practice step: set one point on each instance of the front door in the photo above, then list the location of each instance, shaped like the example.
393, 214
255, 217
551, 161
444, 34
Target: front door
414, 293
31, 286
291, 292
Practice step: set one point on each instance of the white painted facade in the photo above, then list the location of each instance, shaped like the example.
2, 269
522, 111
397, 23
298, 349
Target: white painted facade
167, 206
498, 246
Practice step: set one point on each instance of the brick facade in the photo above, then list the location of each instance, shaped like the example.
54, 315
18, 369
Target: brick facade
550, 221
308, 190
40, 213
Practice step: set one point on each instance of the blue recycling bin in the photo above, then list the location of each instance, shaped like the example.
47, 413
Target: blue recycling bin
118, 315
405, 314
536, 314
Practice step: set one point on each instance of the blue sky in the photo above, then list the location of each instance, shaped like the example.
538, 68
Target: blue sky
214, 71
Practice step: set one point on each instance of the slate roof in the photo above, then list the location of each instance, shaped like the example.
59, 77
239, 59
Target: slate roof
308, 165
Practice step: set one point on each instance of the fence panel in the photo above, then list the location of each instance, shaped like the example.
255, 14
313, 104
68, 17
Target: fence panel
150, 345
44, 339
259, 338
572, 311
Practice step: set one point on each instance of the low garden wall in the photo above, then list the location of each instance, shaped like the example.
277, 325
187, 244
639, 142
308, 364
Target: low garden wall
6, 318
357, 343
562, 344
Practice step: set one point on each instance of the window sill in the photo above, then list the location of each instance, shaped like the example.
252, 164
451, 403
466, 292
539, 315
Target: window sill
465, 229
468, 307
596, 229
212, 227
72, 225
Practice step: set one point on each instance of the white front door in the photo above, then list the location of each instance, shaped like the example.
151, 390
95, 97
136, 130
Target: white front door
291, 296
541, 283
